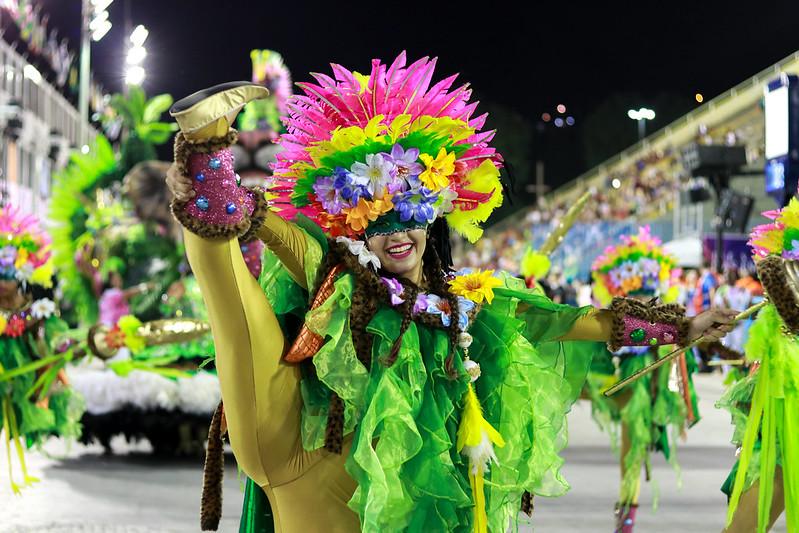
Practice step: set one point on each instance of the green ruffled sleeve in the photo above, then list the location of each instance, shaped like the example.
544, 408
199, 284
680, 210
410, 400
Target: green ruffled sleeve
529, 382
544, 322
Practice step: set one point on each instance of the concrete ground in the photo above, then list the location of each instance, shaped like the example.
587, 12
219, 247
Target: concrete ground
83, 490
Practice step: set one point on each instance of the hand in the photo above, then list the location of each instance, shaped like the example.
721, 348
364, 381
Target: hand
712, 325
179, 185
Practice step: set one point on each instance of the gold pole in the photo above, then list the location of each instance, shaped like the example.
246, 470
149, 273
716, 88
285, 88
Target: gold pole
676, 353
568, 220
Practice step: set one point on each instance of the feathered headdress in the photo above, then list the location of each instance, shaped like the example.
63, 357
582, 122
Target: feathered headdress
637, 266
781, 236
24, 249
360, 145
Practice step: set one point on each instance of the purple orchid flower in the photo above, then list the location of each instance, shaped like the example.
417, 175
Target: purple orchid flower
328, 195
405, 161
422, 301
395, 290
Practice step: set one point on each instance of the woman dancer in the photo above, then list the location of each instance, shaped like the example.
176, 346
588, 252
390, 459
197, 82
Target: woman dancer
406, 381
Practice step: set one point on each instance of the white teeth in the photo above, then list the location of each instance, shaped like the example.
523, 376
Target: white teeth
400, 249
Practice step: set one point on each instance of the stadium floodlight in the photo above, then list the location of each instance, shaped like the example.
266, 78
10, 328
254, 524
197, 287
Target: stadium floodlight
99, 24
135, 75
641, 115
139, 35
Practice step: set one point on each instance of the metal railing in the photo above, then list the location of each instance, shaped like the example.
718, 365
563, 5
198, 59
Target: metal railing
35, 94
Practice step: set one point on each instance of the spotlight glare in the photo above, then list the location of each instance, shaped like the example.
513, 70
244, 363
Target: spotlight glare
135, 75
616, 183
561, 108
84, 149
558, 122
139, 35
570, 120
546, 117
699, 98
136, 55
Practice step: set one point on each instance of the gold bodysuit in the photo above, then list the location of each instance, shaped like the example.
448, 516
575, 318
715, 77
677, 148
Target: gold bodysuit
308, 490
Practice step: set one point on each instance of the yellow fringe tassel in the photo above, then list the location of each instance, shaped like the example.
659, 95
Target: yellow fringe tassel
476, 439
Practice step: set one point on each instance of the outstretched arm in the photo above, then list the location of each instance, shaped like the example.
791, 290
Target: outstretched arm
603, 324
288, 243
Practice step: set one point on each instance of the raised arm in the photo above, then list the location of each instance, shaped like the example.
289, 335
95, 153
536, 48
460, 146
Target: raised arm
287, 241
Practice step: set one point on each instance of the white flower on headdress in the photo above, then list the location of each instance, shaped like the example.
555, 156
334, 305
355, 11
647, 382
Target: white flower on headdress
24, 272
359, 249
44, 308
445, 199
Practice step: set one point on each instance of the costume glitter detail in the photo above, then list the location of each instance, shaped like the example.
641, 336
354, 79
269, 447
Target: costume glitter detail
217, 202
642, 333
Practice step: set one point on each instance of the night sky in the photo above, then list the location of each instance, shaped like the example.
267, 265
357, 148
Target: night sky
525, 59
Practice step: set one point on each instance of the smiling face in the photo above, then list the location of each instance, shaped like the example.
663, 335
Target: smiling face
398, 245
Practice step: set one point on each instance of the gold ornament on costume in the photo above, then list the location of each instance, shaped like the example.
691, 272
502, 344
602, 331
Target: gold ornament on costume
105, 341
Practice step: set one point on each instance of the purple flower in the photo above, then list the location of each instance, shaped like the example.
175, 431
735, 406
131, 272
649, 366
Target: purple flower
416, 205
348, 188
420, 306
8, 254
405, 161
395, 290
328, 195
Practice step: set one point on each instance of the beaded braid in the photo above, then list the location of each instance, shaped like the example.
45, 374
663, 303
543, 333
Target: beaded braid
436, 276
406, 310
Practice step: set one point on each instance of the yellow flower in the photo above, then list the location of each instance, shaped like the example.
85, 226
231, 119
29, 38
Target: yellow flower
43, 276
22, 257
477, 286
3, 323
436, 177
358, 217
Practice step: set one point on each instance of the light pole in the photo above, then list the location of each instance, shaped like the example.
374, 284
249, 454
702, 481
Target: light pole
135, 73
94, 26
641, 115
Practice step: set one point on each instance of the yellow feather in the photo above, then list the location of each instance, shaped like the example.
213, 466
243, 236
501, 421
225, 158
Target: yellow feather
535, 264
483, 179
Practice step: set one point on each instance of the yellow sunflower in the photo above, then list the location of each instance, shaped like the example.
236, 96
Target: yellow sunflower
477, 286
